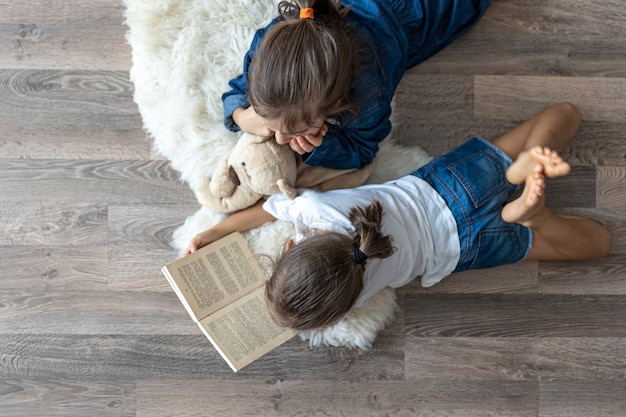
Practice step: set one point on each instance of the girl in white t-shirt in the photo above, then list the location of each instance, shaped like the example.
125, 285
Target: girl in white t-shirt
453, 214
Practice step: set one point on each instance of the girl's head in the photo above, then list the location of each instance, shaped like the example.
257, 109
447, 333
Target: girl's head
302, 71
316, 282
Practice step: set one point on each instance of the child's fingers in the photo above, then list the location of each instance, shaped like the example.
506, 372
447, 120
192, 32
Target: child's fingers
295, 145
193, 246
314, 141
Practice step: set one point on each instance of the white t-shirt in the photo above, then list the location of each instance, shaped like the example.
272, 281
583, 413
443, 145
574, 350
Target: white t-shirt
420, 223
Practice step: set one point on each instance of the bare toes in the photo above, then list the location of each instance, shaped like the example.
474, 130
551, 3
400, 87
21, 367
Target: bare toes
552, 165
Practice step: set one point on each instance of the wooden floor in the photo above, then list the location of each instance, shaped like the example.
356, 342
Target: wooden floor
89, 326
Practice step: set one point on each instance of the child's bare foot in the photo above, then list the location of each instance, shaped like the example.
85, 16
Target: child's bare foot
526, 208
537, 159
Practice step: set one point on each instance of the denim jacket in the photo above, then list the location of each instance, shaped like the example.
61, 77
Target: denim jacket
399, 34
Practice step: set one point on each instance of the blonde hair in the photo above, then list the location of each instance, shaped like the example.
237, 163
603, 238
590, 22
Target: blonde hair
317, 281
303, 69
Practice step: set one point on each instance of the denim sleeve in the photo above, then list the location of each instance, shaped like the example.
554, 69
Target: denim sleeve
353, 143
352, 146
237, 96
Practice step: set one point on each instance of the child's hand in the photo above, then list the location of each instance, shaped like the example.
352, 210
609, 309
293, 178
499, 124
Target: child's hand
307, 143
250, 122
200, 240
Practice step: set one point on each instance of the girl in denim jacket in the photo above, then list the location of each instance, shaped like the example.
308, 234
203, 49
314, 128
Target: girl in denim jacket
453, 214
322, 75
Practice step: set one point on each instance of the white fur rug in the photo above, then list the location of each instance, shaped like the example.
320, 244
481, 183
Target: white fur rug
184, 54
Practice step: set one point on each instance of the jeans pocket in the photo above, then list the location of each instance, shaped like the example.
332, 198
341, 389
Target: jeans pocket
496, 247
481, 175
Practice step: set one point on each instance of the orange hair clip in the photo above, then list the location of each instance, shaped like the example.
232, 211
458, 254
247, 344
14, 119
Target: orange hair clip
306, 13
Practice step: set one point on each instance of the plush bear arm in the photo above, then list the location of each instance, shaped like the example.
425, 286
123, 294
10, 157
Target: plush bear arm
286, 188
240, 199
220, 184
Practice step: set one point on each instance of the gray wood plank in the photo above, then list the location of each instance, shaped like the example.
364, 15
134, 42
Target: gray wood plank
600, 99
358, 398
43, 398
611, 192
189, 357
529, 54
515, 358
95, 181
575, 18
80, 114
55, 46
86, 12
150, 225
596, 143
60, 268
518, 279
434, 96
603, 276
578, 189
54, 34
41, 223
60, 137
72, 92
582, 399
464, 315
139, 242
56, 311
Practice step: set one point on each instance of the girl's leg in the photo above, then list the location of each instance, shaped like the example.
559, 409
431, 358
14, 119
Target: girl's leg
553, 128
555, 236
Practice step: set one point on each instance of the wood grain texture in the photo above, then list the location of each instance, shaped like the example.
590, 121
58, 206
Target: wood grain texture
506, 315
515, 359
41, 398
139, 244
90, 327
306, 398
96, 181
610, 191
54, 34
43, 223
518, 279
188, 356
79, 114
595, 277
578, 399
572, 18
598, 99
62, 268
529, 55
93, 312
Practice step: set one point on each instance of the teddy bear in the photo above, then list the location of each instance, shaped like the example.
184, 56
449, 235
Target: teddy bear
257, 167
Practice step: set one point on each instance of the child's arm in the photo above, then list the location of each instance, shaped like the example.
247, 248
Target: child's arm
240, 221
250, 122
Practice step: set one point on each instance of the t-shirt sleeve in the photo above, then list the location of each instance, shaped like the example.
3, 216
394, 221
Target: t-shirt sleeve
296, 211
310, 210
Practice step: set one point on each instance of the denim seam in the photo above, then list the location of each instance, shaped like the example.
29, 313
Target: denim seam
450, 196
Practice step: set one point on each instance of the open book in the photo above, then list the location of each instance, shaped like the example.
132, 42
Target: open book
222, 286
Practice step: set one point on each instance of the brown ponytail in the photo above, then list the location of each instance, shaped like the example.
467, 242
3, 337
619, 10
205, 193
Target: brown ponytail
317, 281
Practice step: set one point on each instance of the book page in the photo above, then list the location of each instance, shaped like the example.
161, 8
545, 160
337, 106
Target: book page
214, 275
244, 331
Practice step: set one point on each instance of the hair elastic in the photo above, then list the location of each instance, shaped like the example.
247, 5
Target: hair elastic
358, 256
306, 13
